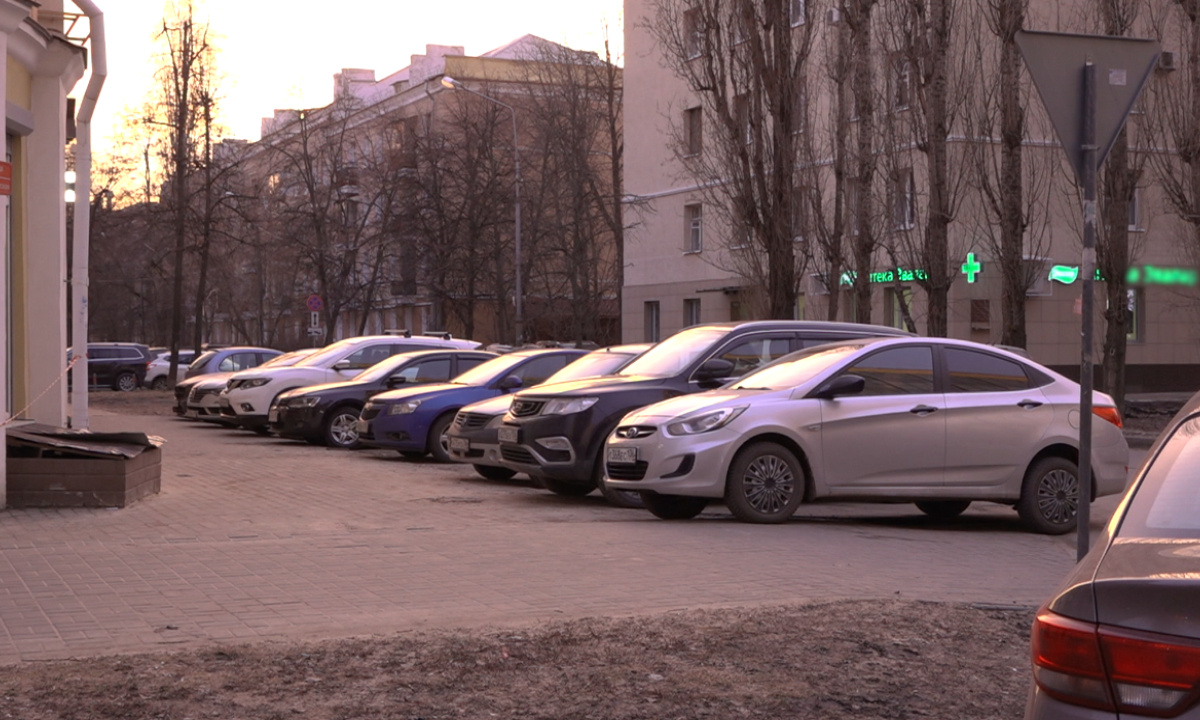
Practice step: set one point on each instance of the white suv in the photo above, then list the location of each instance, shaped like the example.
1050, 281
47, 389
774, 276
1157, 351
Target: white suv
157, 369
247, 398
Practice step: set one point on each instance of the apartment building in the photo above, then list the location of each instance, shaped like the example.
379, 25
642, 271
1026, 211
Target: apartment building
690, 255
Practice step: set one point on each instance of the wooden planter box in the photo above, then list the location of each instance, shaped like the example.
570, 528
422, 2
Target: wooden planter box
46, 470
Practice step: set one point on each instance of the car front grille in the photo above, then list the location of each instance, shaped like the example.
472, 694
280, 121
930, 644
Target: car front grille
470, 421
625, 471
517, 454
525, 408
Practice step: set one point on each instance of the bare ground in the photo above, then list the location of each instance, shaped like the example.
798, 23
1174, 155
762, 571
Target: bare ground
833, 661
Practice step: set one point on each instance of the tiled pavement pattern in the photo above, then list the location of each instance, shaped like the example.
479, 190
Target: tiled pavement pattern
257, 538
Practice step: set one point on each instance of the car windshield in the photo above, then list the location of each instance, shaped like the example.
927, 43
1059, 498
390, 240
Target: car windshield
677, 352
204, 357
490, 370
791, 370
287, 359
1167, 504
591, 365
382, 369
326, 355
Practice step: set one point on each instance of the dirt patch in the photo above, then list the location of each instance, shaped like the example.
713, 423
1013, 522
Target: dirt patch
832, 661
137, 402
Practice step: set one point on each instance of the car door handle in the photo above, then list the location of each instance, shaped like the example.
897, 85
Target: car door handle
923, 410
1029, 404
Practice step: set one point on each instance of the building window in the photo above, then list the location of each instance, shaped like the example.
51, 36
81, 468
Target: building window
691, 312
694, 227
1135, 210
852, 205
897, 303
735, 311
650, 322
1134, 310
799, 107
981, 315
901, 82
800, 213
693, 33
904, 205
741, 114
693, 129
796, 11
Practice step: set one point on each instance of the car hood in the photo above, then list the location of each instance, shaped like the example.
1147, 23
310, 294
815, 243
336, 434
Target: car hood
310, 374
207, 379
492, 406
400, 394
589, 386
688, 404
327, 387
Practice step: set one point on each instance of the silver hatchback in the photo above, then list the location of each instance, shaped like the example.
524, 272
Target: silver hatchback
936, 422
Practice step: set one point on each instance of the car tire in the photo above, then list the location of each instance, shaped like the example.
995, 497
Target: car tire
566, 489
438, 443
126, 382
494, 472
160, 383
340, 429
1049, 501
673, 507
765, 484
618, 498
943, 509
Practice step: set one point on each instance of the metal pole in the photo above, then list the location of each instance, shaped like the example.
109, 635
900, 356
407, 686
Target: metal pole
1083, 516
519, 300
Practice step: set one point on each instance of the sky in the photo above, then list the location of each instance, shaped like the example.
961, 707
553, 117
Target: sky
284, 54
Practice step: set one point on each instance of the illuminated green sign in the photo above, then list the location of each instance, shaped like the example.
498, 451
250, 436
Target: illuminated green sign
971, 267
1138, 275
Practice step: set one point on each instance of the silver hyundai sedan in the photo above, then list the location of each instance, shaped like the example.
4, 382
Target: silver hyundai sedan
932, 421
1121, 636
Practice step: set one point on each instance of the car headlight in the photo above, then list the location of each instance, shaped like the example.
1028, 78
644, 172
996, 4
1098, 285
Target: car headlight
566, 406
404, 408
254, 382
304, 402
705, 422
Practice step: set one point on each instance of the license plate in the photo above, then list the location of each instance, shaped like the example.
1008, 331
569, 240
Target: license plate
458, 444
620, 455
273, 415
361, 426
509, 434
224, 402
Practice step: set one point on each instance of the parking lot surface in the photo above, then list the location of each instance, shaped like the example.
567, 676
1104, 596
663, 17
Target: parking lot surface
256, 538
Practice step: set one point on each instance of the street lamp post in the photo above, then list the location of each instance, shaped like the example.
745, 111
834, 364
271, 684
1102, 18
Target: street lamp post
519, 296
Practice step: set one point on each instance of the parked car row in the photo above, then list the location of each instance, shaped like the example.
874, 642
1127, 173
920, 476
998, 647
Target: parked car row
761, 416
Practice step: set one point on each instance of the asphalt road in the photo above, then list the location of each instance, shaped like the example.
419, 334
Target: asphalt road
256, 538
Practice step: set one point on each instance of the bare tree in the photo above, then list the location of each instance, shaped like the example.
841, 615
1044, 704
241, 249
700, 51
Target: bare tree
745, 61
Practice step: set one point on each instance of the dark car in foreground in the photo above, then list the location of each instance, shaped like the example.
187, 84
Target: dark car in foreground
414, 421
472, 436
1120, 638
556, 434
328, 414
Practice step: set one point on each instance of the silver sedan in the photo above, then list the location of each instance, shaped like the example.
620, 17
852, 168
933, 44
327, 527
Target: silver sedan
933, 421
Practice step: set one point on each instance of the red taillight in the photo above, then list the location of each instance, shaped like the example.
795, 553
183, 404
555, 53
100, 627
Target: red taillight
1108, 413
1115, 669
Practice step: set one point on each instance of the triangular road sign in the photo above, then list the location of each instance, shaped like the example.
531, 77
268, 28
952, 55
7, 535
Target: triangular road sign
1056, 62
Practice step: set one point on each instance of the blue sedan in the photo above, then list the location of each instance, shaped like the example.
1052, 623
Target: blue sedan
414, 421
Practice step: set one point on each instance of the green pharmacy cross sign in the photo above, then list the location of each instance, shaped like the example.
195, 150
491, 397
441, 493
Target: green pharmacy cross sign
971, 267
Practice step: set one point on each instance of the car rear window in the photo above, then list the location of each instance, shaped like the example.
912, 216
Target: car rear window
1167, 502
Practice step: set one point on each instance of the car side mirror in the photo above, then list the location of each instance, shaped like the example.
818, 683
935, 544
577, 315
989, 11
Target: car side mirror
342, 365
714, 369
396, 381
841, 385
511, 382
